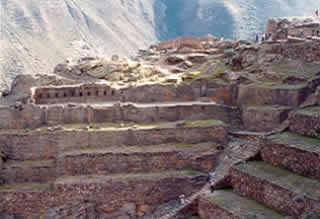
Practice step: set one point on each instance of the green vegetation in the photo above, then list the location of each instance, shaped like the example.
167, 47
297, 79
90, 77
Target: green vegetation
126, 125
294, 140
276, 84
246, 208
311, 111
282, 178
35, 187
203, 123
194, 217
294, 68
203, 74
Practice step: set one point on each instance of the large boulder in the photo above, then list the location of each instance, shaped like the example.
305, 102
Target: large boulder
225, 44
175, 59
197, 58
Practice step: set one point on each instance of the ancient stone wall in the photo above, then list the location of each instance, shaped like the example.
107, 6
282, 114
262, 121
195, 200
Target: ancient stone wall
281, 28
189, 42
305, 122
33, 116
283, 199
209, 210
261, 95
109, 192
292, 158
308, 51
46, 144
263, 118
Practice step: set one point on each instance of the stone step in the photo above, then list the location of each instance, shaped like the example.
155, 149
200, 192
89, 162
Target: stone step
264, 118
306, 121
297, 153
110, 192
227, 204
47, 142
277, 188
122, 159
28, 171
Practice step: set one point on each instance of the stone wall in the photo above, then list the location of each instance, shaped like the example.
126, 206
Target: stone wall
109, 192
305, 122
189, 42
45, 144
308, 51
273, 196
263, 118
292, 158
209, 210
113, 162
33, 116
262, 95
281, 28
28, 171
143, 94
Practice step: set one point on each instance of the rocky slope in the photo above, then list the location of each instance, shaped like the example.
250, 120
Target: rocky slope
37, 34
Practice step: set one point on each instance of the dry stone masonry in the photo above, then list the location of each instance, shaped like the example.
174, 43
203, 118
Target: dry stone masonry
126, 137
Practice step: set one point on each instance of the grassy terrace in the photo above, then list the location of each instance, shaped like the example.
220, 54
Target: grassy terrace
31, 163
297, 141
197, 148
297, 69
122, 126
203, 74
29, 187
281, 177
128, 177
268, 107
42, 187
277, 85
310, 111
241, 206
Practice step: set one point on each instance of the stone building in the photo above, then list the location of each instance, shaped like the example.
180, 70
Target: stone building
303, 27
190, 42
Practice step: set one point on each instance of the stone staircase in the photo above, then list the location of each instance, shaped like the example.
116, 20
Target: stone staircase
237, 151
284, 182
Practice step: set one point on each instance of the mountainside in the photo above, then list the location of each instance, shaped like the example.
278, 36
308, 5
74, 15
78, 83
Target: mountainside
37, 34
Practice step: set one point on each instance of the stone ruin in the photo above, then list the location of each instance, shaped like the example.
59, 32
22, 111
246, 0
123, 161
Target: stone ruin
301, 27
77, 145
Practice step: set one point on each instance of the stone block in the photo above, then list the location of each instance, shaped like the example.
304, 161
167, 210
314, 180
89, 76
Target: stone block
264, 118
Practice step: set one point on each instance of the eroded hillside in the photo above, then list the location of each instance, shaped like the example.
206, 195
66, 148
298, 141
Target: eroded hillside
37, 34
